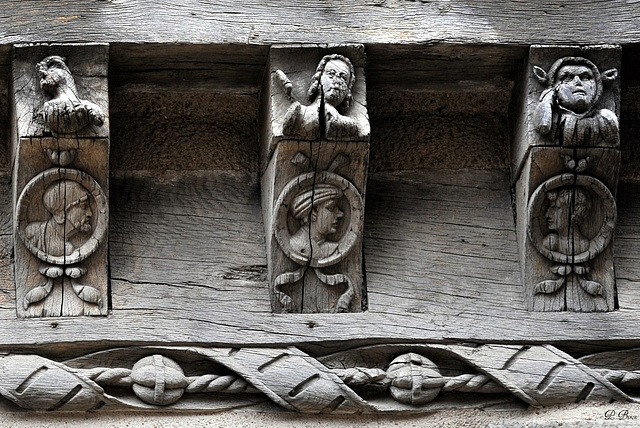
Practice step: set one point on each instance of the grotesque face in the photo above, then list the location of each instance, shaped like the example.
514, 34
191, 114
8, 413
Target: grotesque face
576, 88
335, 81
327, 216
78, 216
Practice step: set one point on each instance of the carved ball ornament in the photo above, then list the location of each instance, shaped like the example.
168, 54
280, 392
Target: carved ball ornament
600, 194
414, 379
31, 201
348, 221
158, 380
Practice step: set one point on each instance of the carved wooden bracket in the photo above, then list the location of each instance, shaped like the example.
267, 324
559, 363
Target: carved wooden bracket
565, 163
60, 150
315, 147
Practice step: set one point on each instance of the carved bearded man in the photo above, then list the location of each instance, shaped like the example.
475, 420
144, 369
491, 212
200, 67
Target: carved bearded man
70, 209
567, 110
330, 96
319, 216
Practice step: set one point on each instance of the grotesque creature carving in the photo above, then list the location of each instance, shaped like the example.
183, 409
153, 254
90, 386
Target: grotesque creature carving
567, 112
65, 113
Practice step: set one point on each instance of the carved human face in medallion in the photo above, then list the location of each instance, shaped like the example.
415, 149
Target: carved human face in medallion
335, 81
576, 88
557, 218
327, 217
79, 216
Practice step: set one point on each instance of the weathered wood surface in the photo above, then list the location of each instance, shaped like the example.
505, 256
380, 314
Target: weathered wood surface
188, 265
315, 152
256, 22
60, 157
564, 163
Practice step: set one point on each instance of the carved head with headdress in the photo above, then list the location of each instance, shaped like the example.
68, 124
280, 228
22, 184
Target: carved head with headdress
68, 201
54, 74
317, 206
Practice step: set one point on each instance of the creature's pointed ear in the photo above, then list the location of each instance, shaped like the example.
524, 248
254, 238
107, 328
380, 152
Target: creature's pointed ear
609, 75
541, 75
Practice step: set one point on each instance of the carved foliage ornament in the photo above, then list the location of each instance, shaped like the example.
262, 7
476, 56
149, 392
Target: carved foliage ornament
374, 379
567, 112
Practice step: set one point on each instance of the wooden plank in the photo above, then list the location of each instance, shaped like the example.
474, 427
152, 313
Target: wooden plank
183, 131
194, 242
258, 22
186, 67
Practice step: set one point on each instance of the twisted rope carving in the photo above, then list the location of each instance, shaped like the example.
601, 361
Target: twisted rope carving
359, 377
207, 383
378, 379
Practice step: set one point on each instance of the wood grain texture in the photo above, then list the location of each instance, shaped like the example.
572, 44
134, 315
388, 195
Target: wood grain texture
52, 176
188, 266
256, 22
183, 131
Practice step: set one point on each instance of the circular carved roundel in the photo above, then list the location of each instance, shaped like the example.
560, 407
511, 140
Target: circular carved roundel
603, 212
318, 218
62, 199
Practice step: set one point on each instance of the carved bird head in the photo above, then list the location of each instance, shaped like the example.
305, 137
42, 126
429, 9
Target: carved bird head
54, 74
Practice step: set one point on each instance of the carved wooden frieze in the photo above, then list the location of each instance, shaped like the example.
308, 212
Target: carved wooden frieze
315, 154
387, 378
566, 159
60, 153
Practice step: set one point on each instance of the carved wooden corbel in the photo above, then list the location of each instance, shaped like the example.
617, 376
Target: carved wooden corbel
315, 148
60, 150
566, 156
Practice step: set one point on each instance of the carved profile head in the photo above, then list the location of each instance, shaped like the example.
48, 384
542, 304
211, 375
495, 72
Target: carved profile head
334, 78
568, 207
317, 209
54, 74
576, 83
68, 203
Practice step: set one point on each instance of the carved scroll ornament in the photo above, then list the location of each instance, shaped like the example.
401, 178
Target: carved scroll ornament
374, 379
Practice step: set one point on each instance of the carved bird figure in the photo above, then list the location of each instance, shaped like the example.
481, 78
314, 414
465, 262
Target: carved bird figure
65, 112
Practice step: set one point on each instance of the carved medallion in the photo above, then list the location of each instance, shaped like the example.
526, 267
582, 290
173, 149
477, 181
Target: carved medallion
571, 218
319, 219
61, 195
571, 222
62, 216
